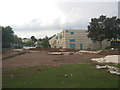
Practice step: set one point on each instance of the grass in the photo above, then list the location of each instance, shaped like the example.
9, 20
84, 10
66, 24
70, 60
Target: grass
83, 76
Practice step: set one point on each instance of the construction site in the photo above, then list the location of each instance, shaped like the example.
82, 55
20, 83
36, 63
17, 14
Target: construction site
19, 58
66, 67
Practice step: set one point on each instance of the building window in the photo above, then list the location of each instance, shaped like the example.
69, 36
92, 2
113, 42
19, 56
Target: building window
72, 40
55, 42
56, 37
72, 45
94, 41
72, 33
60, 36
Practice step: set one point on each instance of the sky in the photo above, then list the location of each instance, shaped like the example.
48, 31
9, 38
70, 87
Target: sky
42, 18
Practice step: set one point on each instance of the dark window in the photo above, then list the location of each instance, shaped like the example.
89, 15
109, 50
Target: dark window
94, 41
55, 42
72, 33
72, 45
60, 36
72, 40
56, 37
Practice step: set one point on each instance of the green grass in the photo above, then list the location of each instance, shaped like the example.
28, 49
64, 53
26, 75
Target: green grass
83, 76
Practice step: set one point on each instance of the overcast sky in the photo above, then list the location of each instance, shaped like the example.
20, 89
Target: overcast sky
48, 17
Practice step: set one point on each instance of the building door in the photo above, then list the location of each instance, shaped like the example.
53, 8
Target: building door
81, 46
72, 45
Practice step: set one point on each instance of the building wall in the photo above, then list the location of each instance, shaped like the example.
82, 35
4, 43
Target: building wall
76, 39
58, 41
52, 42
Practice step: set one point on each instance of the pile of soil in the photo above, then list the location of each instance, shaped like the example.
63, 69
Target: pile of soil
53, 49
9, 53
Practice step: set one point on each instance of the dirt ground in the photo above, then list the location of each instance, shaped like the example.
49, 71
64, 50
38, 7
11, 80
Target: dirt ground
41, 57
36, 57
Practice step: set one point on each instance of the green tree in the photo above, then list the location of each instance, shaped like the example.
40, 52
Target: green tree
33, 38
104, 28
7, 36
112, 28
17, 39
29, 43
45, 42
96, 29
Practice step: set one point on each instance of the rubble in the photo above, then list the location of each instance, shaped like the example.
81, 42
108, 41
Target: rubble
100, 67
78, 53
64, 53
92, 52
68, 53
55, 53
108, 59
61, 53
26, 47
17, 50
110, 69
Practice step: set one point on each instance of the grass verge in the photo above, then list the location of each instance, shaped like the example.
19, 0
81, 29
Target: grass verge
82, 75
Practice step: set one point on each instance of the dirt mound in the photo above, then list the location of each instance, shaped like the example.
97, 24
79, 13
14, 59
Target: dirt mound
54, 49
109, 52
44, 49
4, 50
12, 54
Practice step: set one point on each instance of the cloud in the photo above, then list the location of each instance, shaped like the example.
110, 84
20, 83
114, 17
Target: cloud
66, 15
37, 34
72, 15
36, 24
72, 19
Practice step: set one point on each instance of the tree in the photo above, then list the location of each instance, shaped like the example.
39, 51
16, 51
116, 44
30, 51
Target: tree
96, 29
112, 28
17, 39
7, 36
112, 31
109, 28
104, 28
33, 38
45, 42
40, 40
29, 43
118, 27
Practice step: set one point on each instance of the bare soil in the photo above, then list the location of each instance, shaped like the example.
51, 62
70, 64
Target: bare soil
110, 52
41, 57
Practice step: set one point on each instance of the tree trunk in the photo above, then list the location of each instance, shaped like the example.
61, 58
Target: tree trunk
100, 45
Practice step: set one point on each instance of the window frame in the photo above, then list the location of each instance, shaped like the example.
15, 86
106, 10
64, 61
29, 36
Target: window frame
72, 40
72, 33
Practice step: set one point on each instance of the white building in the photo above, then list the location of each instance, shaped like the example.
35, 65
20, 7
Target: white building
75, 39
